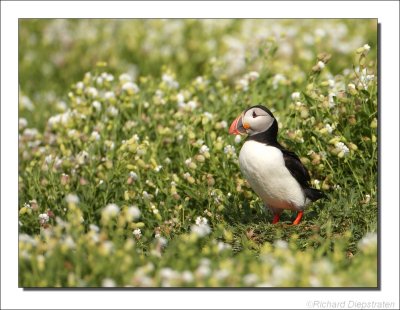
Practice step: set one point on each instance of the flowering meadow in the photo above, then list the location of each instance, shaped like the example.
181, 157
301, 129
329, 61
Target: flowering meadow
128, 176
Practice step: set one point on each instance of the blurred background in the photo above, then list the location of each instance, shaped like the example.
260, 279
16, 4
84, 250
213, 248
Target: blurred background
55, 53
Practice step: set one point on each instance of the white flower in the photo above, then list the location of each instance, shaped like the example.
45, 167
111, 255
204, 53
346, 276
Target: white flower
180, 98
281, 244
244, 84
204, 149
295, 95
238, 139
95, 135
130, 87
351, 86
341, 147
229, 149
111, 210
43, 218
170, 81
368, 241
250, 279
320, 65
72, 199
329, 128
125, 77
188, 161
222, 246
80, 85
22, 123
137, 233
113, 111
366, 48
133, 213
108, 77
107, 282
203, 271
133, 175
82, 157
158, 168
109, 95
208, 115
186, 175
94, 228
201, 228
187, 276
97, 105
278, 78
223, 124
331, 83
192, 105
253, 75
201, 220
91, 91
48, 159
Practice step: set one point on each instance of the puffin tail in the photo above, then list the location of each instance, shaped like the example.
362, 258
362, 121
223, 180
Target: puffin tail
314, 194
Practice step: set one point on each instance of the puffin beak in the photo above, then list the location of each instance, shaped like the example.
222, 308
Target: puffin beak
237, 126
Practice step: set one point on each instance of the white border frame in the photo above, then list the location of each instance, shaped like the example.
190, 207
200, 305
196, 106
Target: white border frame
388, 15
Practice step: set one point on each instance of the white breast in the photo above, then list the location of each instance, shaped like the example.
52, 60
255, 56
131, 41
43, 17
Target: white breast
264, 168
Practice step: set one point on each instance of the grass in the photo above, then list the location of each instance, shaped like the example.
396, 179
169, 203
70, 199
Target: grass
134, 181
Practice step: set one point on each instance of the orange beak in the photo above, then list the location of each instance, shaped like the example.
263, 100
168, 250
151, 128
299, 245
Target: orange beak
237, 127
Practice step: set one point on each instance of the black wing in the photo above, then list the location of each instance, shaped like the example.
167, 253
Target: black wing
296, 168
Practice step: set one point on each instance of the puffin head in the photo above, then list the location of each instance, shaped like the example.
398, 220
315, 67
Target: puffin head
255, 120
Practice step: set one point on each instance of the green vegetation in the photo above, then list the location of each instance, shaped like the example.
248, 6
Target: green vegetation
127, 174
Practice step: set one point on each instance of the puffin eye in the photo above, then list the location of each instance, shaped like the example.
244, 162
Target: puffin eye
254, 114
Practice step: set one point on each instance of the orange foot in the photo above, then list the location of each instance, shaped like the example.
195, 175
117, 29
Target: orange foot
275, 219
298, 218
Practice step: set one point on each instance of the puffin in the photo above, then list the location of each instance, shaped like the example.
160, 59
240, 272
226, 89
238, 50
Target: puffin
275, 174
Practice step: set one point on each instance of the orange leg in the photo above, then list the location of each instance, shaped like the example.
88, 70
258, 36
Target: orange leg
276, 219
298, 218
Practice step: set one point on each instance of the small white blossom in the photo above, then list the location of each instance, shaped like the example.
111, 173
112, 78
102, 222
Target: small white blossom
125, 77
111, 210
229, 149
208, 115
91, 91
329, 128
295, 95
129, 86
170, 81
97, 105
107, 282
109, 95
113, 111
158, 168
187, 276
72, 199
133, 175
320, 65
133, 213
250, 279
201, 220
368, 241
238, 139
253, 75
204, 149
137, 233
341, 147
366, 48
43, 218
223, 124
22, 123
351, 86
95, 135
